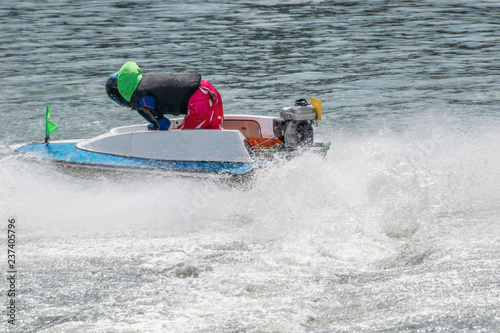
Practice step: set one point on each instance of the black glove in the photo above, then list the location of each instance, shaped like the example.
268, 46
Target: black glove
147, 114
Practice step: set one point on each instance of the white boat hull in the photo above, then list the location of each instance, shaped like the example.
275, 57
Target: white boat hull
234, 151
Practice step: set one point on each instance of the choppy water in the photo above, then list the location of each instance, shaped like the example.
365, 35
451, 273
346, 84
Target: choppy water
397, 230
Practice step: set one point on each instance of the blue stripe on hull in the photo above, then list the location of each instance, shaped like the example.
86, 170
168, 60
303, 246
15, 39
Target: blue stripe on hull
67, 152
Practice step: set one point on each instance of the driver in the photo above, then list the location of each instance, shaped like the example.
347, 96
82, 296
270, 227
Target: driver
154, 95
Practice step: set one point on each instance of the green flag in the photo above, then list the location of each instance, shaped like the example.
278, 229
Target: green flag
49, 127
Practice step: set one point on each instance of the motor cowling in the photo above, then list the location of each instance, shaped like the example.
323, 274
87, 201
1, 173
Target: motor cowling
294, 127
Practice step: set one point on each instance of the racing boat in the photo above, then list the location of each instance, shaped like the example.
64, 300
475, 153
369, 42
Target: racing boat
244, 143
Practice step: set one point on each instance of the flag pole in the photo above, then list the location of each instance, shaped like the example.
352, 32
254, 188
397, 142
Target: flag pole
47, 119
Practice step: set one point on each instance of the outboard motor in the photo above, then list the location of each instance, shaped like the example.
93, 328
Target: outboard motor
294, 128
